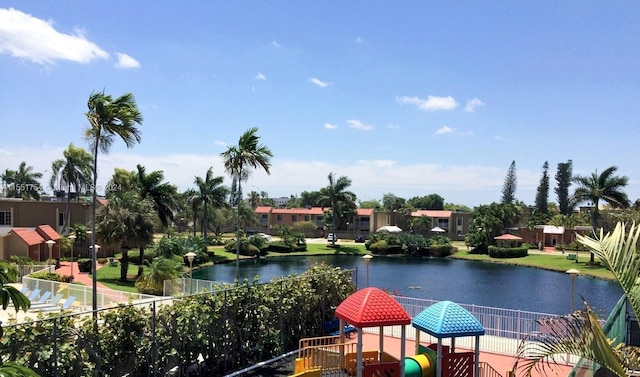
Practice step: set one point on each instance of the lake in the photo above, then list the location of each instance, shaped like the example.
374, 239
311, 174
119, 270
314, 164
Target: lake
460, 281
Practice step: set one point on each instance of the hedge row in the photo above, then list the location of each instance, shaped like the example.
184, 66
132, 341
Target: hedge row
508, 252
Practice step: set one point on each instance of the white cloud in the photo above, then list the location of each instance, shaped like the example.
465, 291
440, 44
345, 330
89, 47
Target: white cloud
472, 104
358, 125
125, 61
260, 76
445, 130
358, 40
431, 103
220, 143
320, 83
275, 44
27, 37
393, 126
330, 126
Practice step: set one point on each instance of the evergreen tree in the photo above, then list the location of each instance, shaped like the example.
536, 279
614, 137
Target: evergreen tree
564, 177
510, 184
542, 194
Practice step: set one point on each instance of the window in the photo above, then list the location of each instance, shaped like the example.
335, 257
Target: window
279, 218
443, 223
61, 216
306, 217
5, 217
294, 218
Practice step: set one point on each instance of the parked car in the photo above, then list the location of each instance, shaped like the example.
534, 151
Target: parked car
264, 236
332, 237
360, 238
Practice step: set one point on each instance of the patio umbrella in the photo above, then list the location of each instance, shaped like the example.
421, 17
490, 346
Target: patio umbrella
438, 230
389, 228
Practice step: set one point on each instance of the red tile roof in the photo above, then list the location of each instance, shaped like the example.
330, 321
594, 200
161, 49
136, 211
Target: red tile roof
372, 307
431, 213
263, 209
365, 211
28, 236
47, 232
507, 237
298, 211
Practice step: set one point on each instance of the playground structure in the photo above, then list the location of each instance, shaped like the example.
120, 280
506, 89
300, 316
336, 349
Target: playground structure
371, 307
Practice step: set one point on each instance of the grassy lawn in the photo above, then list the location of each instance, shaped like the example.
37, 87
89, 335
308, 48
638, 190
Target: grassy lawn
110, 276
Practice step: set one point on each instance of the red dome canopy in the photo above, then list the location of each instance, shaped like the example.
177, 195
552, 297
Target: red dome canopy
372, 307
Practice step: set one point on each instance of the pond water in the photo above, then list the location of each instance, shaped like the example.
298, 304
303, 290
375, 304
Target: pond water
464, 282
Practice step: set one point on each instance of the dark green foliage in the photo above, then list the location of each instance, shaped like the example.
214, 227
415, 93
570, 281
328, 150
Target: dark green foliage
280, 247
84, 265
542, 193
508, 252
441, 251
379, 247
564, 177
21, 260
510, 185
431, 201
51, 276
246, 248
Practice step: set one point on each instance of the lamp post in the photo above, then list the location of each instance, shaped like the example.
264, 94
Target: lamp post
50, 243
190, 256
73, 241
94, 298
572, 273
367, 258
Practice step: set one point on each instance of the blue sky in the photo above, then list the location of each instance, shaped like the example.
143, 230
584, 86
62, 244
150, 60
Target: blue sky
410, 98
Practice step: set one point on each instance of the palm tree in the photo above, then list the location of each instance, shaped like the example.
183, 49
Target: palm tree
23, 183
108, 118
72, 170
238, 159
161, 269
209, 193
254, 199
607, 187
162, 195
336, 195
581, 333
126, 222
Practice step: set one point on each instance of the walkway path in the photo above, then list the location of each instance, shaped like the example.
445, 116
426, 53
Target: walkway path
83, 278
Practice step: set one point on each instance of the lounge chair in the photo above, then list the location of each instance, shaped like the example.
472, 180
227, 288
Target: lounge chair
32, 296
54, 301
43, 298
24, 290
66, 305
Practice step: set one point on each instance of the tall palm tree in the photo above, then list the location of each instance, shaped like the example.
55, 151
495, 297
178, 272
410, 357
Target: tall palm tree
210, 193
162, 195
108, 118
254, 199
23, 183
238, 159
606, 187
337, 195
72, 170
581, 333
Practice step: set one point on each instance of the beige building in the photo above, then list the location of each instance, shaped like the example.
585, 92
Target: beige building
30, 213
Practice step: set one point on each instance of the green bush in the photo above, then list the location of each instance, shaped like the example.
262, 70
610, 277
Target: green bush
379, 247
280, 247
246, 248
52, 277
508, 252
441, 250
84, 265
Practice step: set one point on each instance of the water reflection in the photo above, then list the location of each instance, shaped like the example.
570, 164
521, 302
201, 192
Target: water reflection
465, 282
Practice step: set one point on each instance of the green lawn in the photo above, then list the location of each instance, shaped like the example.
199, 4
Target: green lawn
110, 276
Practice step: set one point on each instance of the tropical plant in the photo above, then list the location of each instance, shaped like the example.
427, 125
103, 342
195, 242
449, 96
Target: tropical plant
125, 222
9, 294
74, 170
162, 195
152, 279
210, 193
23, 183
238, 160
605, 187
510, 185
581, 333
337, 195
108, 118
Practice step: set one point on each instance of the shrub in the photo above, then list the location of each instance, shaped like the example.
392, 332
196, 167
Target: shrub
52, 277
245, 248
21, 260
508, 252
379, 247
441, 250
102, 260
84, 265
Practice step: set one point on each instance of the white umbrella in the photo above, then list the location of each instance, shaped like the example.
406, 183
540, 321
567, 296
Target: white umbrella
438, 230
389, 228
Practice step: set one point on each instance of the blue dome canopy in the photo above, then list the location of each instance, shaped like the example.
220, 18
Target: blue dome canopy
446, 319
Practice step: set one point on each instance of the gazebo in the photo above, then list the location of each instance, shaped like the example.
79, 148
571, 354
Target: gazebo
446, 319
508, 240
372, 307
